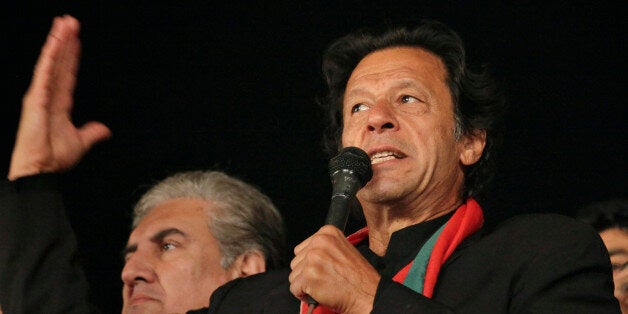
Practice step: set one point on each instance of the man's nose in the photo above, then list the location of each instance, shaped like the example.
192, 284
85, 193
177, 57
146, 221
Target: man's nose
138, 267
382, 117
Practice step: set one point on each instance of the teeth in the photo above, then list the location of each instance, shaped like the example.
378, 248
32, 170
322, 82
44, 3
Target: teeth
382, 156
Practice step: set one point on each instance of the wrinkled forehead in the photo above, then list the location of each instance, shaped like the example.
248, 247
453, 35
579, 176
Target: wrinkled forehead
398, 68
400, 58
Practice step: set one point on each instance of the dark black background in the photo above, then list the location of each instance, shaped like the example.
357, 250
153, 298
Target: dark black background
232, 85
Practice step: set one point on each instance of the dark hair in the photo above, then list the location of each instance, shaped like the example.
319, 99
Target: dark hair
478, 103
602, 215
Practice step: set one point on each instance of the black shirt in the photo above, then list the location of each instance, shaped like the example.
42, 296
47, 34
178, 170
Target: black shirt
403, 248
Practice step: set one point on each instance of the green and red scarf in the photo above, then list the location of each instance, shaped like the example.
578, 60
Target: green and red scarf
420, 274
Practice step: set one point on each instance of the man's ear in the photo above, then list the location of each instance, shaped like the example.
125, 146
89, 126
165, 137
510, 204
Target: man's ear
472, 147
249, 263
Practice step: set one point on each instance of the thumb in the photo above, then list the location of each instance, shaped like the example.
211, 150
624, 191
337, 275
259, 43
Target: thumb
92, 133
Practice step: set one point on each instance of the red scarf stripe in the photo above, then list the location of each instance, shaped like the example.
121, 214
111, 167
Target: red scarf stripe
401, 275
465, 221
358, 236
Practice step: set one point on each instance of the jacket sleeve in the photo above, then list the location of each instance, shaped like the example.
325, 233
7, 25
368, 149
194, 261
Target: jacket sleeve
262, 293
39, 266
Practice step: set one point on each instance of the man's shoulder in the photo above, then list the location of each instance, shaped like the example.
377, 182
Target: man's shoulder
544, 226
542, 234
524, 255
267, 292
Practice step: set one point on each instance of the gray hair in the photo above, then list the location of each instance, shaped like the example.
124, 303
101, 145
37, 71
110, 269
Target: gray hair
246, 219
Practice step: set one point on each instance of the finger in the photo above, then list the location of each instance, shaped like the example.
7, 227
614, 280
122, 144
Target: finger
296, 271
296, 282
323, 230
317, 244
296, 287
331, 230
302, 245
66, 66
44, 68
92, 133
296, 261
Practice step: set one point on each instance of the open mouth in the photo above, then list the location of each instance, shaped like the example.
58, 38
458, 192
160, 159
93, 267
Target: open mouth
384, 156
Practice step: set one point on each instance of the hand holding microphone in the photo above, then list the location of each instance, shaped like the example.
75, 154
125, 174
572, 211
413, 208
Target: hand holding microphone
349, 171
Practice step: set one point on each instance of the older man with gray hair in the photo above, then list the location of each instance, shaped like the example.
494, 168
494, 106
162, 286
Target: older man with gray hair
192, 232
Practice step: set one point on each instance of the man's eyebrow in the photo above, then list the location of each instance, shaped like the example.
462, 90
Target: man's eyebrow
405, 83
128, 249
158, 237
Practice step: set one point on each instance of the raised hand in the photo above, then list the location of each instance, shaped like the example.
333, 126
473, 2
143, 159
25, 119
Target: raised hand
332, 271
47, 140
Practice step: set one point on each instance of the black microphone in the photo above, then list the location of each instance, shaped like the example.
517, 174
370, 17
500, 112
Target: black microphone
349, 171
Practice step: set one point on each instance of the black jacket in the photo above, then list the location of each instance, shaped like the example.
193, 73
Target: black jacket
541, 263
39, 266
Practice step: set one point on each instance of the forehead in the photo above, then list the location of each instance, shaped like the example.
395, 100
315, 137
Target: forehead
615, 239
188, 215
401, 62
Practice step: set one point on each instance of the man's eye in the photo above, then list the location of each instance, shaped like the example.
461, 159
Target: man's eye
408, 98
167, 246
359, 107
618, 267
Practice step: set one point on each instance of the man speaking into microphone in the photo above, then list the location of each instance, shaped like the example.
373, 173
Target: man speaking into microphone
429, 125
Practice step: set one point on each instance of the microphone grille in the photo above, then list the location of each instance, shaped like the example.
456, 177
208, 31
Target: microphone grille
355, 160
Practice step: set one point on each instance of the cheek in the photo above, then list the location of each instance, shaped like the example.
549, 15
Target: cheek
350, 130
438, 135
189, 285
346, 137
178, 277
209, 279
209, 267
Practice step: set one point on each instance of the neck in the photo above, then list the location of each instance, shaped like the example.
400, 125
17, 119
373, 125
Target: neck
384, 219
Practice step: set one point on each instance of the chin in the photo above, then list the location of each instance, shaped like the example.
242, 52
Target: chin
143, 308
146, 306
381, 191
